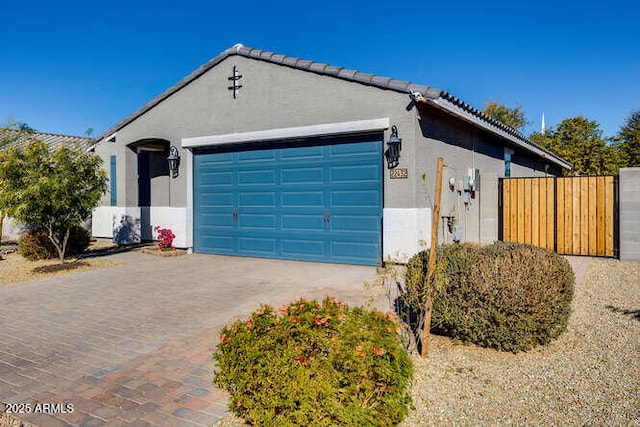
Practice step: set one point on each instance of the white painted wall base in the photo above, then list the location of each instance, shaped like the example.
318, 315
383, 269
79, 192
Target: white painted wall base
12, 229
163, 216
405, 232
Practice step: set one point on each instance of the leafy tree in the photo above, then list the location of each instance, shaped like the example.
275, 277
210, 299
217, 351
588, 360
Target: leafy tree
51, 190
11, 133
579, 141
513, 117
629, 137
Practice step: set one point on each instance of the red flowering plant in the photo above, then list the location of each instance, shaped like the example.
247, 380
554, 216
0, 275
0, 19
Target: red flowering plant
165, 237
312, 363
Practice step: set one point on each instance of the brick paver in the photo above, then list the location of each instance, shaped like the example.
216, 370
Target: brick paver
132, 344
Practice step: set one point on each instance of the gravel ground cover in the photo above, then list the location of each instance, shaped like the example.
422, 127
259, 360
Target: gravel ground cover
590, 375
14, 268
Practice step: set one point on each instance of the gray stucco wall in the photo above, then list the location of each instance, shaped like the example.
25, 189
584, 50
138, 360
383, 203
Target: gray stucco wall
274, 96
629, 214
464, 147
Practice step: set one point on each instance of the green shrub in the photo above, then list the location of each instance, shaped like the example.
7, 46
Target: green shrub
506, 296
315, 364
35, 244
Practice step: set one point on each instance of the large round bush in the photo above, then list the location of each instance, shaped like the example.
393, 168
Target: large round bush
315, 364
506, 296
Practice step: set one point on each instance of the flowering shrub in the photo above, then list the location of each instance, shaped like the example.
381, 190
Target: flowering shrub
165, 237
315, 363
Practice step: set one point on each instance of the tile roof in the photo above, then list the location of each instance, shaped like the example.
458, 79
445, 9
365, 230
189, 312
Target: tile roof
420, 93
55, 141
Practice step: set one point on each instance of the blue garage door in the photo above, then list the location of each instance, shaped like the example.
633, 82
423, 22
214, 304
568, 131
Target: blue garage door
318, 202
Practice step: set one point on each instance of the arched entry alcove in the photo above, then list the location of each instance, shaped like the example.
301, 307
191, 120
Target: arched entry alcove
153, 179
152, 171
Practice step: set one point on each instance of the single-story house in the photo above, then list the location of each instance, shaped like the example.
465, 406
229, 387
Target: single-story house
287, 158
11, 229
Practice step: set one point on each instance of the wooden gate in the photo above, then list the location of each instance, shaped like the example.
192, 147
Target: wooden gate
569, 215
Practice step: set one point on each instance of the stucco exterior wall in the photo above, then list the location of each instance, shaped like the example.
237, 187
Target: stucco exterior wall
464, 147
272, 97
276, 97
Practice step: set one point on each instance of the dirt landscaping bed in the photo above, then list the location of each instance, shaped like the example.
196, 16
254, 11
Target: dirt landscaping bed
14, 268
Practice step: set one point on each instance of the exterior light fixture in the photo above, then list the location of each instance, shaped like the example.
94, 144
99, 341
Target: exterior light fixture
393, 151
174, 161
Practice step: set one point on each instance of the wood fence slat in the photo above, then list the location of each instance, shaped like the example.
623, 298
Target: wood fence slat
506, 199
514, 211
575, 214
542, 211
609, 215
600, 207
520, 210
528, 199
568, 216
551, 213
593, 223
560, 218
535, 212
584, 215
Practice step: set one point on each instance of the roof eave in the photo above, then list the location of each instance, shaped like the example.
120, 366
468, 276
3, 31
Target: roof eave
504, 132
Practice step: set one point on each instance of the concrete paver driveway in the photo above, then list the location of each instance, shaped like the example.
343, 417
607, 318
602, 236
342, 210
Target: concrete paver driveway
132, 344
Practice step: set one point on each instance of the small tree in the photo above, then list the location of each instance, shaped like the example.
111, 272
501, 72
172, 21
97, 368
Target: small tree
11, 133
513, 117
50, 189
629, 137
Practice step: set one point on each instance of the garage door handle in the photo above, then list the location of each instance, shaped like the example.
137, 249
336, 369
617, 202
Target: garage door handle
235, 216
327, 217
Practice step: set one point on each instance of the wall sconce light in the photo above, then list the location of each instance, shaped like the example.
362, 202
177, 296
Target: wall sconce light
393, 152
174, 161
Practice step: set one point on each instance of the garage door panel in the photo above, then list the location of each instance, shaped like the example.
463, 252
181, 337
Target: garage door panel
257, 221
303, 248
296, 199
223, 219
217, 200
256, 177
355, 223
216, 161
358, 174
267, 199
218, 178
310, 222
303, 153
354, 251
217, 244
257, 245
342, 150
302, 176
317, 203
355, 198
259, 156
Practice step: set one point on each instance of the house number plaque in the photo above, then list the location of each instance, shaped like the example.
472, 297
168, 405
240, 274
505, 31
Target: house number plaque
400, 173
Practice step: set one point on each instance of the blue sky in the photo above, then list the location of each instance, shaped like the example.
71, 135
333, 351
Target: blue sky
67, 66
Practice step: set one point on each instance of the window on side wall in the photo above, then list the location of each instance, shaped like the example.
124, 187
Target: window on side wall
507, 162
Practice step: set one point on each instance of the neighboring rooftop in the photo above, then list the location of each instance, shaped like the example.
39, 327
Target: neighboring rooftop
54, 140
419, 93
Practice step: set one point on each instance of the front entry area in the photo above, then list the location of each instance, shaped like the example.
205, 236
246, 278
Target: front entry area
312, 200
